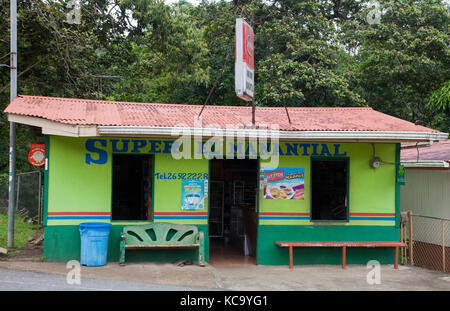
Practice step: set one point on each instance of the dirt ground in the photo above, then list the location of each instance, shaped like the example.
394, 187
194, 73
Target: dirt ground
28, 253
33, 251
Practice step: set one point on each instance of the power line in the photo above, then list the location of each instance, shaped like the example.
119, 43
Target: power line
215, 82
274, 68
275, 71
221, 71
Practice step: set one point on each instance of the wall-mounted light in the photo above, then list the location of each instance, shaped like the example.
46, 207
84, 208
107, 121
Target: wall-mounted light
375, 162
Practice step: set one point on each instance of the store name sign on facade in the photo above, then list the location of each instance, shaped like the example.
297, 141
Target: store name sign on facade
97, 149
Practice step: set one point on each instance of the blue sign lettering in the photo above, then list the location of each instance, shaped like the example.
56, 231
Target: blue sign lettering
336, 151
96, 149
325, 151
124, 145
291, 149
305, 149
138, 144
154, 146
102, 154
168, 146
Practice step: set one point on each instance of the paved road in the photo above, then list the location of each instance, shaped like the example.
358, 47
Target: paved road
18, 280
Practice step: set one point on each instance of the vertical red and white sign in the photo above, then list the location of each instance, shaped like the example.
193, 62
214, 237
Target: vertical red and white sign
244, 63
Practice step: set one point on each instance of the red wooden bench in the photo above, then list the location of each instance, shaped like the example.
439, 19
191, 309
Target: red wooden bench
344, 245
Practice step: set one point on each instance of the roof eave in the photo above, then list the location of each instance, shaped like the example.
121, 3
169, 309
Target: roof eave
55, 128
356, 136
62, 129
426, 164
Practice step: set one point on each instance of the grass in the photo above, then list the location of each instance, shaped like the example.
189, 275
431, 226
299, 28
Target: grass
22, 231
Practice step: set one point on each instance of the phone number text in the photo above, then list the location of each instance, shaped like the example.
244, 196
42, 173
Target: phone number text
173, 176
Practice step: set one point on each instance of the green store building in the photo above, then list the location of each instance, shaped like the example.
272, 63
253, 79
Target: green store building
331, 174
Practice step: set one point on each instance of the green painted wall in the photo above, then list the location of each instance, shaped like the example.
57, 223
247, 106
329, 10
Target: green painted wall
76, 187
371, 190
372, 210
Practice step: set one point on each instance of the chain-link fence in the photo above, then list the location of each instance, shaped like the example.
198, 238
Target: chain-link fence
430, 237
4, 186
28, 196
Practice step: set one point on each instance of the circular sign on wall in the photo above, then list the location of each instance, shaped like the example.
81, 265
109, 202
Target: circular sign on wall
37, 157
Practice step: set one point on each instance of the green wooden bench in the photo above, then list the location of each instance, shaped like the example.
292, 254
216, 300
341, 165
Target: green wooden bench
162, 235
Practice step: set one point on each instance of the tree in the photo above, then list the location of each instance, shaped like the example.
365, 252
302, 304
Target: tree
440, 99
404, 58
57, 58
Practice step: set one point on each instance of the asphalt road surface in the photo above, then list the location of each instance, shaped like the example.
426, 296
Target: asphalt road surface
18, 280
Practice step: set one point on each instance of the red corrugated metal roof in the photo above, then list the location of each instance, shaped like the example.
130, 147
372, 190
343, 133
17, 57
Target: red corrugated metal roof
99, 112
437, 151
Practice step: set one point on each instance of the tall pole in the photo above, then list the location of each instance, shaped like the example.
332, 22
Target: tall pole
12, 127
253, 112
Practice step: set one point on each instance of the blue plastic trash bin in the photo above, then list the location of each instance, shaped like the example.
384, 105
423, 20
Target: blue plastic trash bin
94, 243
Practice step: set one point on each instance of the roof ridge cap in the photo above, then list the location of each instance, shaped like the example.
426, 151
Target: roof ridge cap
185, 105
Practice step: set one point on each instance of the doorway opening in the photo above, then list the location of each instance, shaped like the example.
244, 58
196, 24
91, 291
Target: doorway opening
132, 187
233, 211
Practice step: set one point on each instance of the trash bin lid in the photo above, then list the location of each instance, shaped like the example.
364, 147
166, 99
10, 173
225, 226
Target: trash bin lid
95, 224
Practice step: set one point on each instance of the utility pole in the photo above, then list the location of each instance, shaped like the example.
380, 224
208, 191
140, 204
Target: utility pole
12, 126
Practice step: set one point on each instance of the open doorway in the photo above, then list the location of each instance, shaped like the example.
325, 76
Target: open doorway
233, 211
132, 187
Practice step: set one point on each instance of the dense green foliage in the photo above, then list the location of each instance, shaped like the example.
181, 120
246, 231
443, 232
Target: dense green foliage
326, 53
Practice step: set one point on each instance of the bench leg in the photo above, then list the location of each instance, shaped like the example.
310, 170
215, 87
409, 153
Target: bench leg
122, 258
344, 254
201, 249
122, 252
201, 263
291, 259
396, 258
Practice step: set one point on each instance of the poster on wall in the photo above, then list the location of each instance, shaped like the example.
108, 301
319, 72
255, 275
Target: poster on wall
401, 178
284, 183
192, 194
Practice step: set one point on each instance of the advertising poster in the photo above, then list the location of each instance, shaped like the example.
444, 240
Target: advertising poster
192, 194
401, 178
284, 183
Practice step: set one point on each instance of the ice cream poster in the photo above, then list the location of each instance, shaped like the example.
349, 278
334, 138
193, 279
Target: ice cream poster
284, 183
192, 194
